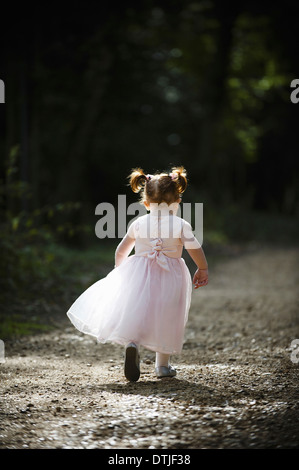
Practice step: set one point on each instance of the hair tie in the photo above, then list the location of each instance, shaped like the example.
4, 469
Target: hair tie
148, 177
172, 175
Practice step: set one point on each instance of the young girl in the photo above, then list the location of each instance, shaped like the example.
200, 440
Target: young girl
146, 298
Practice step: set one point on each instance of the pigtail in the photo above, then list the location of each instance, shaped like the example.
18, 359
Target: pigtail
137, 179
179, 176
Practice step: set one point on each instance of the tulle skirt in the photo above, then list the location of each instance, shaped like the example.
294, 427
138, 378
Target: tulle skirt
138, 301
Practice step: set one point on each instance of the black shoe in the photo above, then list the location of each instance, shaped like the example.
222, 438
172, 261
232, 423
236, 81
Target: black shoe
131, 368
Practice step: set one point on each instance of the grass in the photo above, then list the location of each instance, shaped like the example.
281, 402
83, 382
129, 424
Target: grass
15, 325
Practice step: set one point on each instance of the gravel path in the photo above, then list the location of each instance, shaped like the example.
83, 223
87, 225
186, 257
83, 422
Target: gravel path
236, 387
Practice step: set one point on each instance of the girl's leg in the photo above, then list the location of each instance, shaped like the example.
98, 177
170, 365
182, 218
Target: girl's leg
162, 360
162, 366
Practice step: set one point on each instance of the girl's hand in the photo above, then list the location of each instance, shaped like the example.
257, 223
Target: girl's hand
201, 278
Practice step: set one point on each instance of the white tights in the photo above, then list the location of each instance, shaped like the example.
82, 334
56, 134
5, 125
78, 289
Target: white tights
162, 360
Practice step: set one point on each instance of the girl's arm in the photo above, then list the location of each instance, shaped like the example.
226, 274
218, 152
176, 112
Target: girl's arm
196, 252
124, 249
201, 276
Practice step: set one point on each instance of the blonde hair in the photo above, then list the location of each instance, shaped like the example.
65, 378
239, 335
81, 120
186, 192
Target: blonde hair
161, 187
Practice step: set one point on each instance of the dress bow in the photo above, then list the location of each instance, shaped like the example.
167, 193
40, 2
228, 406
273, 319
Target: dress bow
157, 253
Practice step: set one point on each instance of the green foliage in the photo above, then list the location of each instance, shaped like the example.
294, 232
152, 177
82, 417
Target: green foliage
255, 78
28, 263
193, 83
15, 325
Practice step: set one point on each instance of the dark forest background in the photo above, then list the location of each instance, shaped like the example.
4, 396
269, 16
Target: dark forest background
97, 88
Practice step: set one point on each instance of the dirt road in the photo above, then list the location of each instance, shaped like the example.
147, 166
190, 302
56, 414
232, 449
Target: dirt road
236, 387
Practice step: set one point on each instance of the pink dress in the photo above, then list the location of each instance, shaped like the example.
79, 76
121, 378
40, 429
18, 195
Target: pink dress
146, 297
